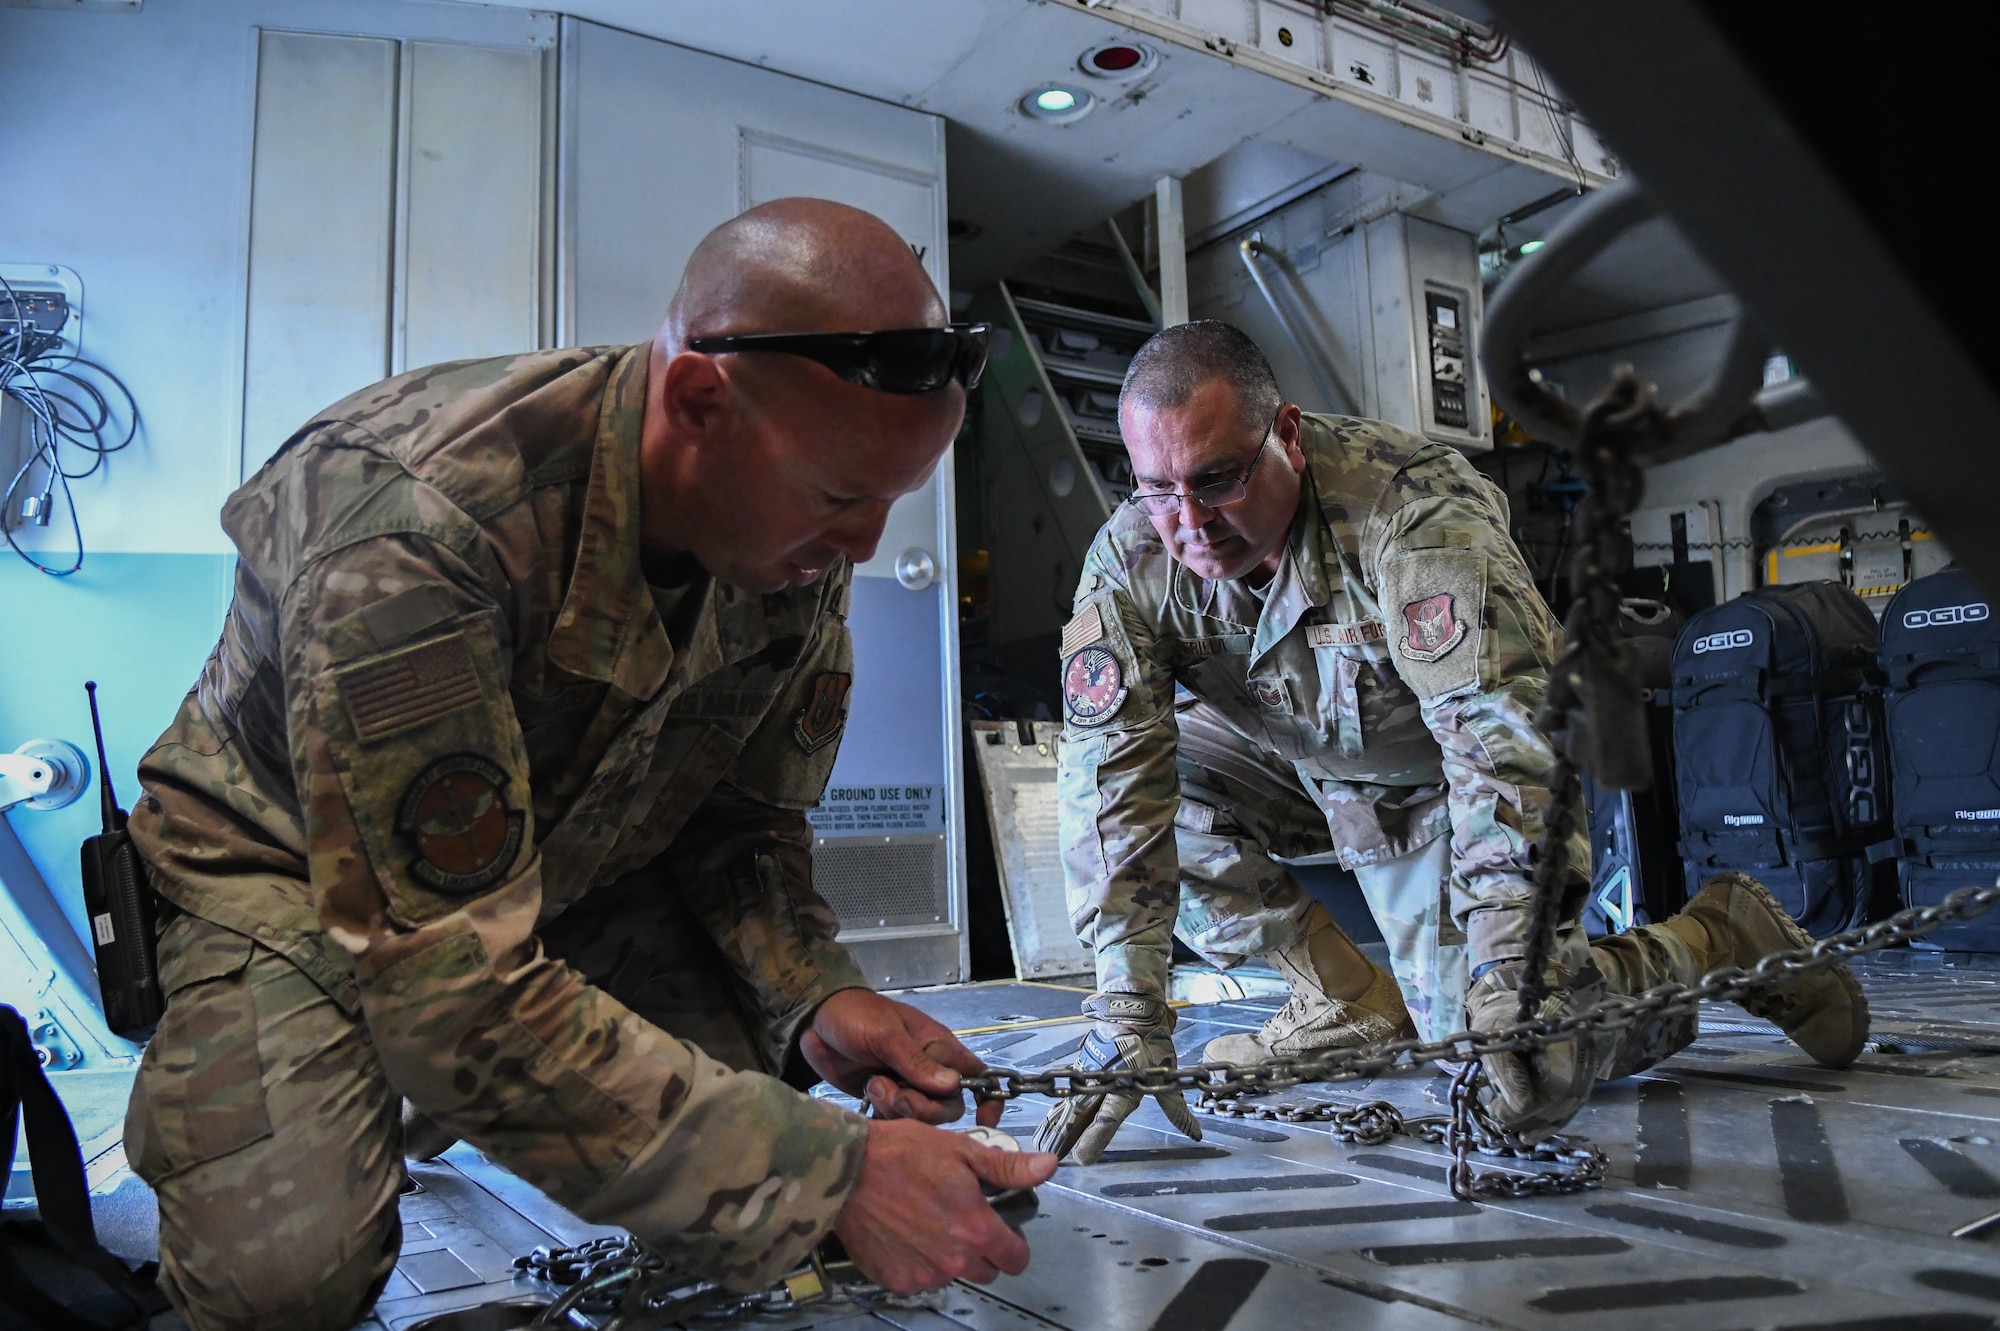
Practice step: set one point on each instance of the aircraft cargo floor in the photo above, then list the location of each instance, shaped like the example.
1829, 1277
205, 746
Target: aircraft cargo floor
1747, 1188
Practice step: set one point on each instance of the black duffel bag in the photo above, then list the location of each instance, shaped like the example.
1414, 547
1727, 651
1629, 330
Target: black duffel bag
1779, 759
54, 1274
1940, 652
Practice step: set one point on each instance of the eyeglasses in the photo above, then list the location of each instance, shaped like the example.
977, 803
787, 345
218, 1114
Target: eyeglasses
905, 361
1216, 494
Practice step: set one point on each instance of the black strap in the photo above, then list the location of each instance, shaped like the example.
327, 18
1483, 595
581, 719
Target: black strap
1953, 844
62, 1191
1765, 848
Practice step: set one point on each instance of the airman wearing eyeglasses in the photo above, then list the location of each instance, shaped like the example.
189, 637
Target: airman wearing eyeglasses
1311, 637
492, 801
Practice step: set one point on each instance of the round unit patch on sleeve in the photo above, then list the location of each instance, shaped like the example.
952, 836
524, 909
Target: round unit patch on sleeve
456, 812
1431, 627
1094, 687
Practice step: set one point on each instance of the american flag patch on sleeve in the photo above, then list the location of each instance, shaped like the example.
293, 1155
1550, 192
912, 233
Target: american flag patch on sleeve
406, 688
1080, 632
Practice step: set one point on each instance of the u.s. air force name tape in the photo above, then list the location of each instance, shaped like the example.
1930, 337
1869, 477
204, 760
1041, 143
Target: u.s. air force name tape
1347, 635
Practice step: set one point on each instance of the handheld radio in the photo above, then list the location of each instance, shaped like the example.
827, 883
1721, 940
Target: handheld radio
120, 905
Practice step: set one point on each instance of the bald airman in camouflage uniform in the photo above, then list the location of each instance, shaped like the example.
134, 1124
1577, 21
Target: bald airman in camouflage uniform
489, 799
1363, 691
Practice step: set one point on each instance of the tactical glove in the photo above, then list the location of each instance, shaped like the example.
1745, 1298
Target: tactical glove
1534, 1093
1132, 1032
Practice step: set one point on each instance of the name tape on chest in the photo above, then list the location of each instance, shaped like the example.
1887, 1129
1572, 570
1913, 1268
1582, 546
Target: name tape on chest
1202, 648
1347, 635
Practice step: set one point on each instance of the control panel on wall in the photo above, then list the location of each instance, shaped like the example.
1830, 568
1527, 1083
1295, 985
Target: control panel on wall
1426, 316
1445, 321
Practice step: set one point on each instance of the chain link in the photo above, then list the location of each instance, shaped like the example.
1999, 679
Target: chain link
633, 1288
1578, 1165
1591, 712
1227, 1082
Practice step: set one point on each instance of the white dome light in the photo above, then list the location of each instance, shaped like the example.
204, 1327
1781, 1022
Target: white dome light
1057, 103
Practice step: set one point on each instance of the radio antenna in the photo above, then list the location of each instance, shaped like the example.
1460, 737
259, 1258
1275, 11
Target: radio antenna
114, 817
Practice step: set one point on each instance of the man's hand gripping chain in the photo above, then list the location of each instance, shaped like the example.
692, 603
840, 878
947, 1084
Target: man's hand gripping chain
1142, 1036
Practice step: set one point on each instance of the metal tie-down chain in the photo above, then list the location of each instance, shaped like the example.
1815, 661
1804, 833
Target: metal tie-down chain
1578, 1164
623, 1285
1729, 984
625, 1278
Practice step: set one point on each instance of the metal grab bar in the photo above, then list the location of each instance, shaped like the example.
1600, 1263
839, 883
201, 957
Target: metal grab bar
1134, 272
1320, 367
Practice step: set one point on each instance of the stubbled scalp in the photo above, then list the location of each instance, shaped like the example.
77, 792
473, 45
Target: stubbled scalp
1178, 362
801, 266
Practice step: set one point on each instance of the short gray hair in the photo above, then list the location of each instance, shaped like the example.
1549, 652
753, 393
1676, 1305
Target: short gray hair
1178, 362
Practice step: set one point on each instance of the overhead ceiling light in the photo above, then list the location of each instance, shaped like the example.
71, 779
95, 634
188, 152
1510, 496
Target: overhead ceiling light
1057, 104
1119, 60
1530, 246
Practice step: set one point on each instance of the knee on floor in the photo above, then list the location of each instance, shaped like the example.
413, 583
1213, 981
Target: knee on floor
327, 1287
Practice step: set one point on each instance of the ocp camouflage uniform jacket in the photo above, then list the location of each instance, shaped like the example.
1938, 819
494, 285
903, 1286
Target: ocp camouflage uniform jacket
1396, 661
445, 705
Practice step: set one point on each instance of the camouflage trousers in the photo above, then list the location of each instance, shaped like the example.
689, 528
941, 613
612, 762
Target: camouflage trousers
263, 1122
1243, 812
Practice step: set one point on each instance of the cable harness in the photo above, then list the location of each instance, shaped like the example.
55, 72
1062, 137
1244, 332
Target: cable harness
78, 413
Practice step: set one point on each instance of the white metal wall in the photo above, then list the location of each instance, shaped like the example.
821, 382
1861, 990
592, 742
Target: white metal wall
1354, 335
138, 129
397, 217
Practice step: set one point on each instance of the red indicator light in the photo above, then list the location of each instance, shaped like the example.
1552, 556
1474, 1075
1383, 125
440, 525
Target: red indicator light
1116, 59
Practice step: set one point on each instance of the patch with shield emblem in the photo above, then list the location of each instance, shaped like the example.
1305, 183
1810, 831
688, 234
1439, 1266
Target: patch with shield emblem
1432, 628
1271, 695
456, 814
1093, 687
819, 721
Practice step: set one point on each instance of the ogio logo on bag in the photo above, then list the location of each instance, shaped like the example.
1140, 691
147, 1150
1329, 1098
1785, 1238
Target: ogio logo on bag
1944, 614
1977, 815
1742, 820
1716, 642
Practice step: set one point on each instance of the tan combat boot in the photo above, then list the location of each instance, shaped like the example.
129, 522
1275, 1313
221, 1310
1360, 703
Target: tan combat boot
1322, 964
1734, 921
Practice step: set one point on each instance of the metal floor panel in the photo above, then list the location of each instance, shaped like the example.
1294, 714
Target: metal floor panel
1747, 1189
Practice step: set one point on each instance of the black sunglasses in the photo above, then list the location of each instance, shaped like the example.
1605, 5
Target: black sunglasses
901, 360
